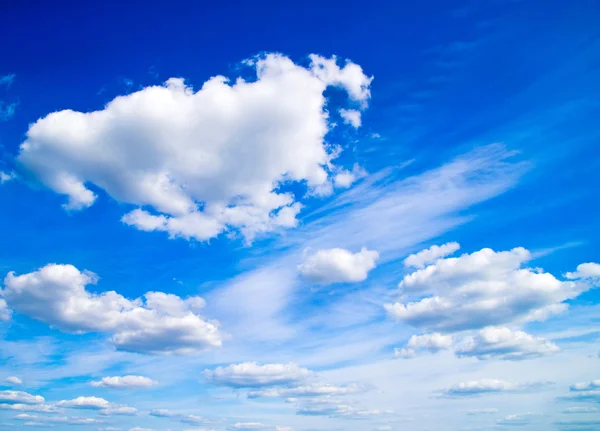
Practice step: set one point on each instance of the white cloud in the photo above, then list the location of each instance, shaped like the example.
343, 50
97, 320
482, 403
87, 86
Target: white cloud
5, 312
43, 408
585, 270
6, 177
125, 382
20, 397
518, 419
489, 386
337, 265
113, 410
162, 413
345, 178
351, 116
204, 161
502, 343
430, 342
49, 420
336, 409
586, 386
251, 374
431, 254
313, 390
157, 323
480, 289
13, 380
94, 403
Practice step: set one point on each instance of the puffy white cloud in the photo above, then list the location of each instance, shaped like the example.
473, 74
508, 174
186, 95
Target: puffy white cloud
312, 390
351, 116
157, 323
94, 403
20, 397
337, 265
585, 270
430, 342
489, 386
125, 382
502, 343
252, 374
431, 254
13, 380
484, 288
203, 161
345, 178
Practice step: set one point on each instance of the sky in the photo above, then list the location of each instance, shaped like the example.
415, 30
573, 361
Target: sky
315, 216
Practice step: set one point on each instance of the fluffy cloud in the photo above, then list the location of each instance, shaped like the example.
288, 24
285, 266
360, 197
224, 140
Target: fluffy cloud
125, 382
585, 270
502, 343
489, 386
337, 265
157, 323
13, 380
430, 342
344, 178
251, 375
20, 397
485, 288
94, 403
351, 116
586, 386
203, 161
313, 390
431, 254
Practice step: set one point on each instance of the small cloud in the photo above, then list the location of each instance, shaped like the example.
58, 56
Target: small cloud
7, 80
13, 380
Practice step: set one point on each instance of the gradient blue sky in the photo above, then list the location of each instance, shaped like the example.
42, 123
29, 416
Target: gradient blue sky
470, 124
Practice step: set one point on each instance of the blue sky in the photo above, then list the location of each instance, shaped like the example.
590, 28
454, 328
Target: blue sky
323, 216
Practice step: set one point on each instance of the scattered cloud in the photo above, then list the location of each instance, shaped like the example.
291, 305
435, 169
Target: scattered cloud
157, 323
6, 177
337, 265
20, 397
585, 270
254, 375
580, 409
351, 116
312, 390
125, 382
430, 342
489, 386
477, 412
13, 380
431, 254
503, 343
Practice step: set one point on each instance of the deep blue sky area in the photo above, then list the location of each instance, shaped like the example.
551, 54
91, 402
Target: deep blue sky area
438, 123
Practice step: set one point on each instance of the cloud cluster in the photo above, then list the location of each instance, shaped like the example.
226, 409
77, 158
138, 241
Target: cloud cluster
337, 265
20, 397
484, 288
198, 163
156, 323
